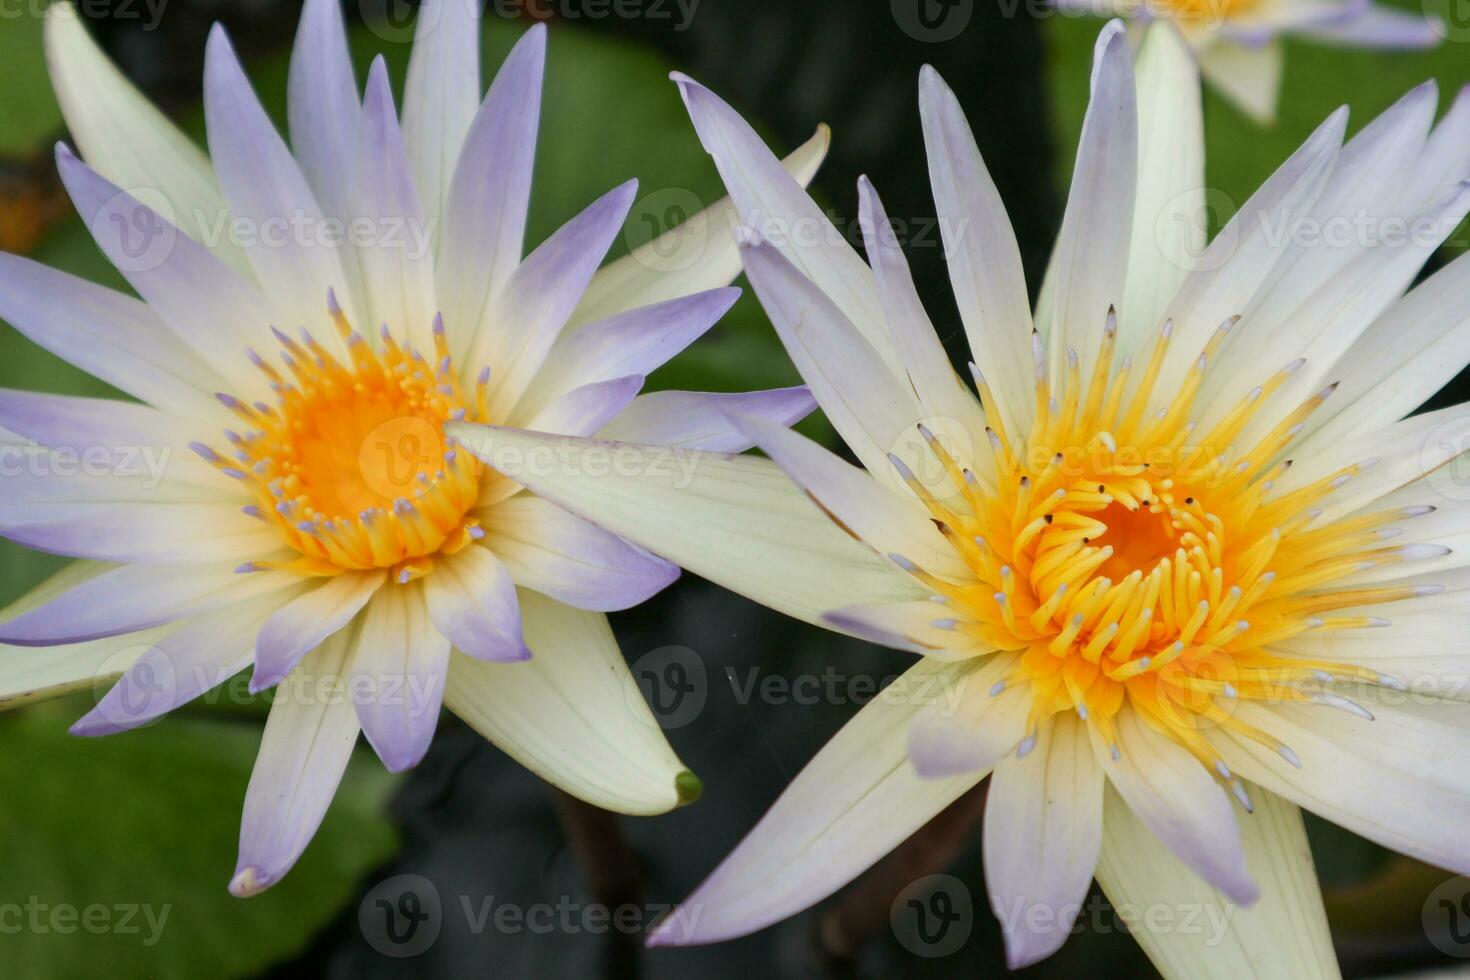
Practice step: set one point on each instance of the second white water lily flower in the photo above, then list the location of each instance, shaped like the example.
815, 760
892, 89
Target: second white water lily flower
1169, 576
311, 319
1240, 44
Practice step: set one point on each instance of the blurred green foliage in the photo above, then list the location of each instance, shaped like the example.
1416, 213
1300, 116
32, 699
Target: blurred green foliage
147, 823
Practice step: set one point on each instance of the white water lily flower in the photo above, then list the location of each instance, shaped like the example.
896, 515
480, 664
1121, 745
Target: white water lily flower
1168, 576
1238, 44
323, 528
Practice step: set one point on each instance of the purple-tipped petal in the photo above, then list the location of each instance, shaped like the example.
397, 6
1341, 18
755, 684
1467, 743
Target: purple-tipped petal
109, 335
440, 95
135, 597
399, 662
635, 342
765, 194
397, 267
572, 560
266, 190
211, 308
178, 668
540, 295
323, 104
1371, 25
472, 600
304, 751
582, 411
484, 223
303, 624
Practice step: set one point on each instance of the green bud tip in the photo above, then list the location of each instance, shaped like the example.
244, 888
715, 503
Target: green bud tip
688, 786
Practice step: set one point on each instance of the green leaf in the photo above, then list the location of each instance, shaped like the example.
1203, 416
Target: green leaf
146, 824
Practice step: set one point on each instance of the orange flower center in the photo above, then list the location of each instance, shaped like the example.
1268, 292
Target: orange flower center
351, 464
1126, 559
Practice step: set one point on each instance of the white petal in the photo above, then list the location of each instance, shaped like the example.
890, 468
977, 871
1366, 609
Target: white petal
633, 342
1244, 254
1043, 830
324, 106
1090, 263
574, 561
30, 674
472, 601
921, 627
701, 419
398, 666
1283, 935
890, 523
178, 277
1412, 350
305, 623
776, 208
853, 381
198, 657
696, 255
983, 258
854, 802
440, 96
109, 335
1390, 458
304, 751
1249, 76
1391, 780
1172, 793
133, 597
975, 728
951, 410
519, 327
1169, 213
485, 218
735, 520
398, 266
573, 714
265, 189
126, 138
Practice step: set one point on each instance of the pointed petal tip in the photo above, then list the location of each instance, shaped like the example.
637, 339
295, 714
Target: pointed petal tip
250, 881
688, 787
